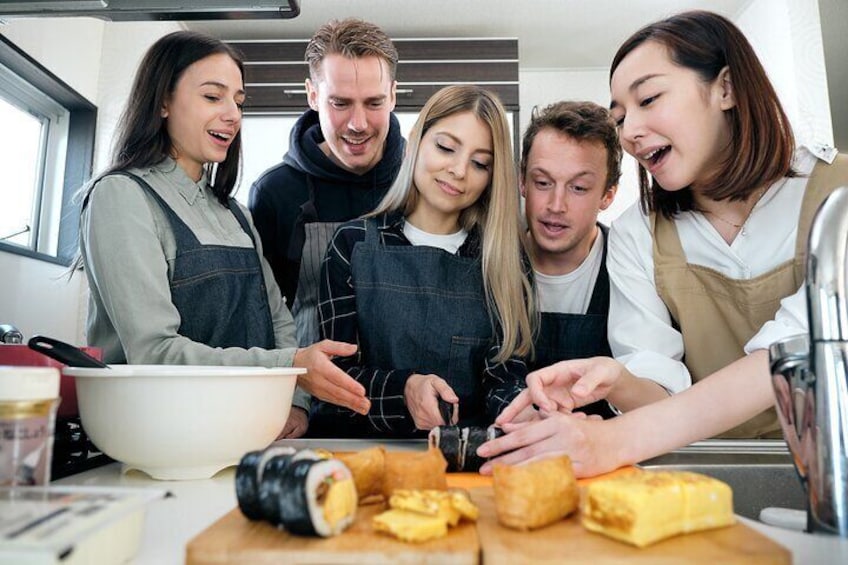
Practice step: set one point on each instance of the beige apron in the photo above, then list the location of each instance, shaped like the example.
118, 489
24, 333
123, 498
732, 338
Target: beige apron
716, 314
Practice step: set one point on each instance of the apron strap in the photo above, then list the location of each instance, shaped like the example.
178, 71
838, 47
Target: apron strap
599, 303
824, 179
372, 233
182, 233
241, 218
308, 214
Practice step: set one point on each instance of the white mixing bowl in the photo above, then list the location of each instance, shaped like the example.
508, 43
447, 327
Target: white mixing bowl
183, 422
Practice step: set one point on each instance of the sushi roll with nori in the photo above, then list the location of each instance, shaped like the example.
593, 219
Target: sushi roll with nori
249, 477
317, 498
271, 485
472, 438
448, 439
494, 432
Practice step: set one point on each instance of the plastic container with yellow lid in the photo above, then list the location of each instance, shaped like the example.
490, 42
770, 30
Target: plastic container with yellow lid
29, 397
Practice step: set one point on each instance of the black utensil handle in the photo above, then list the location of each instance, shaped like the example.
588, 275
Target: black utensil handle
64, 352
446, 409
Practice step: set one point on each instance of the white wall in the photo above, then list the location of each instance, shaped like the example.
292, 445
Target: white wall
540, 87
786, 34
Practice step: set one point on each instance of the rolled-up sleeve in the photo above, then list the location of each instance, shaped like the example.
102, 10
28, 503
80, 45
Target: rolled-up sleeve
790, 319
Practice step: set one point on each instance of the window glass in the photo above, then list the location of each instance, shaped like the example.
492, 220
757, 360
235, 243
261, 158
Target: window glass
21, 163
45, 157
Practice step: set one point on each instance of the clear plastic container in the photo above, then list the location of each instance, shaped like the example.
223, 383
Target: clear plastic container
29, 397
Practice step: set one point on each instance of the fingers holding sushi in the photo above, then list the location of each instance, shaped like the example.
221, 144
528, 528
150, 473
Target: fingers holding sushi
586, 440
459, 445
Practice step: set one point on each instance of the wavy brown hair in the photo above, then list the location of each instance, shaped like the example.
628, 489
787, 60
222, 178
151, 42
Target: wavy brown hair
581, 121
496, 213
761, 143
351, 38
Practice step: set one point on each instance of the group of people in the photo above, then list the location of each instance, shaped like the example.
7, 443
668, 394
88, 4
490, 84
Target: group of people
404, 277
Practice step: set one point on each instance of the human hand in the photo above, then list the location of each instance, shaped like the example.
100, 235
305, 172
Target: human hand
296, 425
528, 414
326, 381
564, 386
583, 439
422, 394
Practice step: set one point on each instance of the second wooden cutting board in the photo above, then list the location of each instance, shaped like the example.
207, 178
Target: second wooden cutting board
569, 542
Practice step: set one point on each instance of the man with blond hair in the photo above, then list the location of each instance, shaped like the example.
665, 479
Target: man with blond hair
344, 153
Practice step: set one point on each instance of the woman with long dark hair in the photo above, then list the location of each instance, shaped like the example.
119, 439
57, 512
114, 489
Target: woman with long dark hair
173, 262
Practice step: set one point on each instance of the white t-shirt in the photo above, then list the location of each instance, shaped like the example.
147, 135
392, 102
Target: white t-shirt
450, 242
572, 292
640, 332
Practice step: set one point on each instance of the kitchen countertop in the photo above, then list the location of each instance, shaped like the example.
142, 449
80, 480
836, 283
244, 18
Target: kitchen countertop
194, 505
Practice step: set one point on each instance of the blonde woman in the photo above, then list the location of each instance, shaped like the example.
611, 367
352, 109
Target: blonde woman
433, 285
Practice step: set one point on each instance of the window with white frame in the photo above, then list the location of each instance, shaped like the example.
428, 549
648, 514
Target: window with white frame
45, 157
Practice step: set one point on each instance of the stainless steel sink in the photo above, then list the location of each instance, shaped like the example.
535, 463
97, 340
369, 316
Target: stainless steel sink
760, 472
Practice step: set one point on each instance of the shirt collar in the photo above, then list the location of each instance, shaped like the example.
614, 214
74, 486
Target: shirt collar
188, 189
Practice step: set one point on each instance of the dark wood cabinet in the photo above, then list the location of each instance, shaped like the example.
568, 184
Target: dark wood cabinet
275, 71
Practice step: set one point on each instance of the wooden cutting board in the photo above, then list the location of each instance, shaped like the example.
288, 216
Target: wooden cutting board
234, 539
569, 542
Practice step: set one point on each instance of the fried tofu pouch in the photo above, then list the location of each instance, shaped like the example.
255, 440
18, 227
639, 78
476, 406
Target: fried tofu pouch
536, 494
414, 470
367, 467
646, 507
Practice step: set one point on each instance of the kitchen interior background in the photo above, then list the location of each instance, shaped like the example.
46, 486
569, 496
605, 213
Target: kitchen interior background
98, 58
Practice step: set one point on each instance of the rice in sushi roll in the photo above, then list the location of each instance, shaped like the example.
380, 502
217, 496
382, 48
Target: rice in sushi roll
317, 497
472, 438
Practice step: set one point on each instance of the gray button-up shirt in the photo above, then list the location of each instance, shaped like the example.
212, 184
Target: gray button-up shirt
128, 250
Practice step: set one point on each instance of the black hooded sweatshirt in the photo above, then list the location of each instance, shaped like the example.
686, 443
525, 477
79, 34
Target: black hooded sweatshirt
280, 195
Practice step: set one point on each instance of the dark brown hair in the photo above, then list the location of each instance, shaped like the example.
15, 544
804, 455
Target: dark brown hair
581, 121
142, 137
352, 38
761, 144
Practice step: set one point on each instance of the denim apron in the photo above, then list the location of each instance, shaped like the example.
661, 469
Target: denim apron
218, 290
308, 245
578, 336
424, 309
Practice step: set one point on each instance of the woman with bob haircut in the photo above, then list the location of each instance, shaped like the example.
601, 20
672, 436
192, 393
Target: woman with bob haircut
711, 265
173, 263
433, 285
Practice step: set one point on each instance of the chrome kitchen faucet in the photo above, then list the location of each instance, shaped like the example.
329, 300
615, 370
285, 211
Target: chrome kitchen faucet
810, 374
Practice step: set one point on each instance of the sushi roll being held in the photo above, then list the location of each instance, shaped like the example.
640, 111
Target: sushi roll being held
317, 497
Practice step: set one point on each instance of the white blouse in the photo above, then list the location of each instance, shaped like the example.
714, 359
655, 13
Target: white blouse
640, 332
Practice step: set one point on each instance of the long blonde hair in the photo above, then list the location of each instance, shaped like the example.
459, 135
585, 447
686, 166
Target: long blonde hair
508, 290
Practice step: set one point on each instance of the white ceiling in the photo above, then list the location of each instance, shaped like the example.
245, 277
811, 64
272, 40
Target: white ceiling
551, 33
